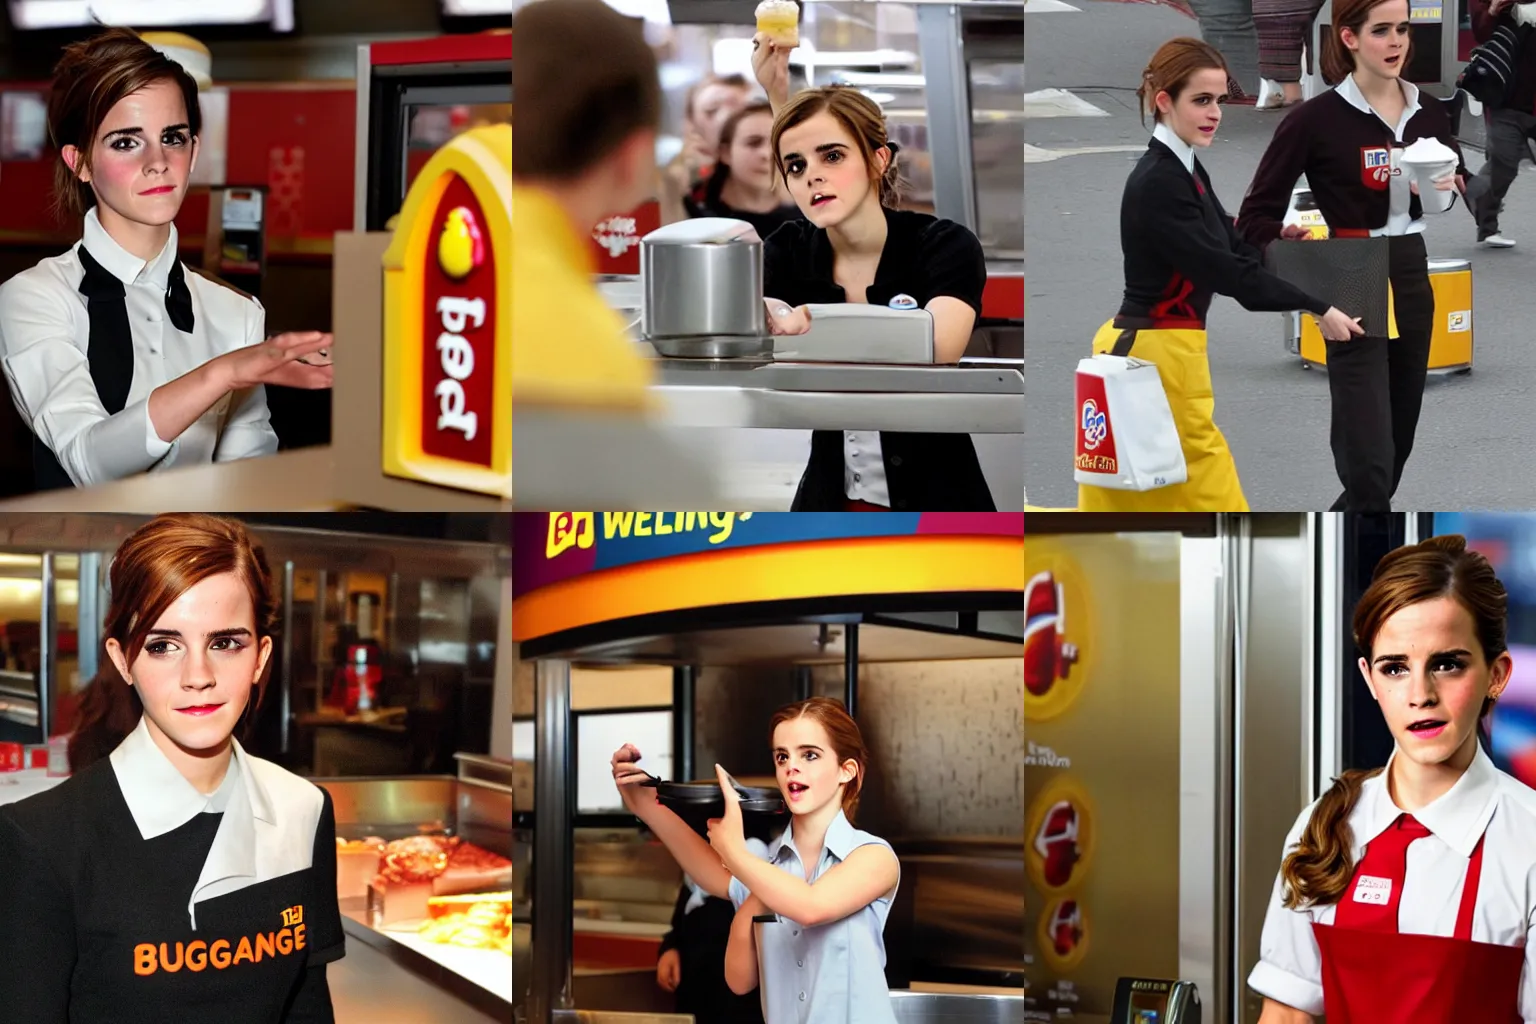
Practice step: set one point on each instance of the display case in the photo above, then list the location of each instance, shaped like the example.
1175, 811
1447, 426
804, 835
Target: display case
413, 97
474, 807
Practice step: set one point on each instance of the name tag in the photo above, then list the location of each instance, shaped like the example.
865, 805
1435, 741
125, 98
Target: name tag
1371, 889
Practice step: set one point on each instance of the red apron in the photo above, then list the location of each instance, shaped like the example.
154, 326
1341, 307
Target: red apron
1373, 974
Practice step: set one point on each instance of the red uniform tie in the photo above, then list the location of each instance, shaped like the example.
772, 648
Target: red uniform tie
1378, 888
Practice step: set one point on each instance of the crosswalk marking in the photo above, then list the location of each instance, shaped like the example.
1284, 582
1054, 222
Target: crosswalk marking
1049, 7
1059, 103
1038, 155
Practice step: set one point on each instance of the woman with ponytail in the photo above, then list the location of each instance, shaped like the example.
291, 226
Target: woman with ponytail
1180, 252
1348, 142
1407, 893
829, 884
176, 849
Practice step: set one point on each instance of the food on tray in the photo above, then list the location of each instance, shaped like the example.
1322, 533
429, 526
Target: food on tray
357, 861
473, 921
473, 868
413, 871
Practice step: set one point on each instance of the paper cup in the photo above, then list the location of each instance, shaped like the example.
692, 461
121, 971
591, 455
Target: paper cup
1424, 175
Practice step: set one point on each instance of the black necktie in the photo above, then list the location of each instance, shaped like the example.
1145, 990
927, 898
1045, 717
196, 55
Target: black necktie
110, 350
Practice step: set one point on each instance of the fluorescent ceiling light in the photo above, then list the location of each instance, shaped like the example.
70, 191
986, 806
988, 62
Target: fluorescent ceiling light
856, 58
886, 81
475, 8
655, 12
34, 14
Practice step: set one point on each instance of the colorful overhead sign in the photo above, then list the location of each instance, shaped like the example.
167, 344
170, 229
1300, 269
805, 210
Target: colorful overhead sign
571, 569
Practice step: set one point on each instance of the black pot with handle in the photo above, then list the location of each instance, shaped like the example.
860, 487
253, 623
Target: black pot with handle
763, 811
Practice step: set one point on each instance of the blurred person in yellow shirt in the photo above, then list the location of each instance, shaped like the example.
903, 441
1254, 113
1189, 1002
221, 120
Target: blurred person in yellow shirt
588, 104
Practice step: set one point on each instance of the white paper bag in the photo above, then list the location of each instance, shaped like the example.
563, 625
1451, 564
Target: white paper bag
1126, 437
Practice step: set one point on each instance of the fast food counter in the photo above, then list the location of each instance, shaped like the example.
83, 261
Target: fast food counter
441, 919
767, 602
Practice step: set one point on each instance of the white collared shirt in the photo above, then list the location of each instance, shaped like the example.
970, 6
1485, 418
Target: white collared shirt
1400, 192
1290, 966
44, 336
1181, 149
270, 815
864, 468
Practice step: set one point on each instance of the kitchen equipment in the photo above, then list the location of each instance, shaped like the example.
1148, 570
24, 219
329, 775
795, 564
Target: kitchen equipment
763, 811
956, 1008
1153, 1001
850, 332
701, 284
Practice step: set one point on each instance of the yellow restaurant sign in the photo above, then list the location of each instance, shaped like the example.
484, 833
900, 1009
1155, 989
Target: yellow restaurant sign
448, 320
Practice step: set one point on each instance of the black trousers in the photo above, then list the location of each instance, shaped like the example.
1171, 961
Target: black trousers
1377, 387
1508, 131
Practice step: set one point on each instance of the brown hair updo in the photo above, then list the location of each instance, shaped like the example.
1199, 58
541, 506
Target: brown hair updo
1171, 68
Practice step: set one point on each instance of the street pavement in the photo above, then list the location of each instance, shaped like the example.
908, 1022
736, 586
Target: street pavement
1476, 446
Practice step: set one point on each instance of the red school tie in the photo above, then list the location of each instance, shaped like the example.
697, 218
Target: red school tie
1378, 885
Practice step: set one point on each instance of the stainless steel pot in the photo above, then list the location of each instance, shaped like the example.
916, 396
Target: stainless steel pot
701, 285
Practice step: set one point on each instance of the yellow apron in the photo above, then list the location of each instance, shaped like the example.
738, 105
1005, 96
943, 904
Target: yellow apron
1212, 485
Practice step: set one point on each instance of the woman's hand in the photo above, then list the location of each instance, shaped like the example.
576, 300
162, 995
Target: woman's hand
669, 970
784, 320
727, 835
1336, 325
1451, 183
281, 360
770, 63
1296, 233
628, 775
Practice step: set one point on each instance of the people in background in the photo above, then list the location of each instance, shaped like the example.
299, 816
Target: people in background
1283, 27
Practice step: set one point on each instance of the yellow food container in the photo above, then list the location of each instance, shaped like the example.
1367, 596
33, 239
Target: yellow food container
780, 19
1450, 346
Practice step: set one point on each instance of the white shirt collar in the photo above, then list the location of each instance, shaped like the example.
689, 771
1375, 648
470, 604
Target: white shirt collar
839, 840
1458, 817
121, 263
161, 800
1181, 149
1351, 92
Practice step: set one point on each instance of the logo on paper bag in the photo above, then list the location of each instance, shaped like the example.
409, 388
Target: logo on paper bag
1459, 322
1376, 167
1370, 889
1095, 436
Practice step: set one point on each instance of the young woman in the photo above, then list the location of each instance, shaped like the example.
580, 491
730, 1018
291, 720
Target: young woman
1406, 892
178, 878
830, 884
118, 359
833, 153
1347, 142
743, 184
1181, 250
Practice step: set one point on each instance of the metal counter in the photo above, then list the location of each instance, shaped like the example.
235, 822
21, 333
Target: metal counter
840, 396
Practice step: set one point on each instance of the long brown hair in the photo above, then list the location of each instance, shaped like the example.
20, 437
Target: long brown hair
159, 562
1337, 59
1171, 68
1318, 871
842, 732
88, 81
862, 118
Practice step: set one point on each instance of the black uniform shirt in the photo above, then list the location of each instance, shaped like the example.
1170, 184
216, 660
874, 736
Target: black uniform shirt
924, 257
96, 926
1181, 248
1345, 150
